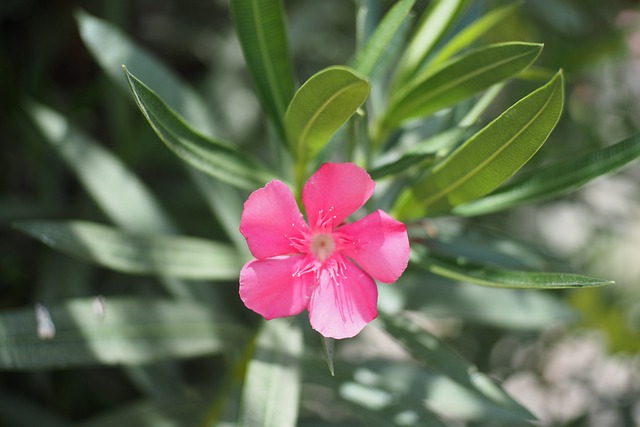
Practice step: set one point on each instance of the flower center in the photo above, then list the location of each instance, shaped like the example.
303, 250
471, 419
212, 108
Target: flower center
322, 246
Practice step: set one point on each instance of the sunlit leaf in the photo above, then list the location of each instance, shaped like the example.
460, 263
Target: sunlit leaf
503, 308
455, 80
123, 331
111, 48
215, 158
272, 386
390, 26
377, 392
556, 179
465, 271
175, 256
261, 29
490, 157
120, 194
321, 106
437, 356
474, 31
433, 25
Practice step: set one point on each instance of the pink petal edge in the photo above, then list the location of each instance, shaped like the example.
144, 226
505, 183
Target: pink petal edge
269, 287
382, 245
337, 190
270, 217
343, 310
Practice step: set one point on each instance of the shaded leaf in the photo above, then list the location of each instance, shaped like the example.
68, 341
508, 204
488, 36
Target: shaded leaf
425, 151
126, 331
111, 48
213, 157
175, 412
261, 29
272, 386
556, 179
175, 256
490, 157
19, 411
455, 80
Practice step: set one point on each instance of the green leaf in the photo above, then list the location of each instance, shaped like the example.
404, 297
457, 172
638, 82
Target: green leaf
108, 331
455, 80
388, 29
429, 350
490, 157
272, 386
321, 106
118, 192
111, 48
174, 256
167, 412
474, 32
420, 153
503, 308
213, 157
261, 29
556, 179
466, 271
433, 25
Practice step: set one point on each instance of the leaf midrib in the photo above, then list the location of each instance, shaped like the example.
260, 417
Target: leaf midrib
269, 68
456, 184
314, 117
456, 82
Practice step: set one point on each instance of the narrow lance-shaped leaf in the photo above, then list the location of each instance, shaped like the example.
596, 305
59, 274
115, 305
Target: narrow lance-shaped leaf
520, 309
426, 150
384, 33
271, 391
556, 179
261, 29
108, 331
120, 194
473, 32
490, 157
112, 48
467, 271
458, 79
213, 157
433, 25
174, 256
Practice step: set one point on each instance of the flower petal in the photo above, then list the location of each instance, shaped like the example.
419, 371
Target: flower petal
378, 244
334, 192
341, 308
270, 219
268, 287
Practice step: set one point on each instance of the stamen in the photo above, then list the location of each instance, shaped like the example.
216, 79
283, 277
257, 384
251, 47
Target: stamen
322, 246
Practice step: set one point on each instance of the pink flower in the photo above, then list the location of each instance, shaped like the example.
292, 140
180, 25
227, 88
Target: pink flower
327, 266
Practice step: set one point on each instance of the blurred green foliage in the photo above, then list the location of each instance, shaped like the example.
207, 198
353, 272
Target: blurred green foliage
43, 59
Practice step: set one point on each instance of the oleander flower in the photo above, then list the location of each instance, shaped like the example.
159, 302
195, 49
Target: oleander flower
327, 266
